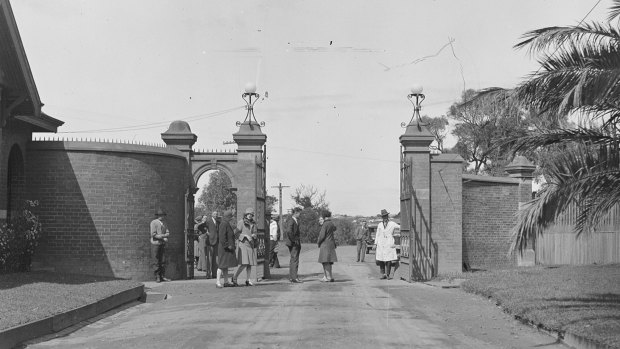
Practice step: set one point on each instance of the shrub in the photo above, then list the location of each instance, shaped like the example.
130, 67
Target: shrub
18, 239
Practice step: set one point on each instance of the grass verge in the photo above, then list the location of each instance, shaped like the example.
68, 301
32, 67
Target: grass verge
583, 300
32, 296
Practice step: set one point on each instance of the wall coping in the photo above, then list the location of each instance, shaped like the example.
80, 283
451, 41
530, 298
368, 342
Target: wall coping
89, 146
489, 179
450, 158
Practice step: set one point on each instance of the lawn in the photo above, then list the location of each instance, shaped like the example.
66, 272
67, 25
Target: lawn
583, 300
28, 297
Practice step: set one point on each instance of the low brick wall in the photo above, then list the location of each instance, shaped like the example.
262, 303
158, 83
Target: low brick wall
97, 201
489, 208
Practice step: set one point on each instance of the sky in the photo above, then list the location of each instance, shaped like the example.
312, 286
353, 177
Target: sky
333, 75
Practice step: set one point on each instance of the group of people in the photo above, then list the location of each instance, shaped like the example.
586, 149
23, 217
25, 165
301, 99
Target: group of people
223, 244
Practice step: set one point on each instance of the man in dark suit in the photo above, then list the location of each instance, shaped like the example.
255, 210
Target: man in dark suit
293, 243
211, 244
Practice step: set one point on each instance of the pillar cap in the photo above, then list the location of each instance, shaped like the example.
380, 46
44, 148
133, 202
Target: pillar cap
417, 138
521, 167
249, 137
179, 134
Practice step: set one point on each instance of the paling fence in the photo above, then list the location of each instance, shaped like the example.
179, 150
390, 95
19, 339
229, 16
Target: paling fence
560, 245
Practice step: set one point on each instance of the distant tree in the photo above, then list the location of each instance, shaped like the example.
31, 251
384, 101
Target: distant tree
270, 203
216, 195
483, 125
345, 233
312, 203
437, 126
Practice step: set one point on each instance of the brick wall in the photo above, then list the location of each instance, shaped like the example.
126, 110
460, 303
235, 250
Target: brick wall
446, 203
97, 201
489, 207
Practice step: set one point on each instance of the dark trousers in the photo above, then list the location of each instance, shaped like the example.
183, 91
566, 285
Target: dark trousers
294, 264
212, 253
160, 269
385, 267
361, 250
273, 254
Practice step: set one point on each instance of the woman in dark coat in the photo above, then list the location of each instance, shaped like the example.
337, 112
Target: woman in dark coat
327, 246
226, 250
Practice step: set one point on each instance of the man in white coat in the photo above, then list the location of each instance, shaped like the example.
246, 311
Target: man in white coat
385, 254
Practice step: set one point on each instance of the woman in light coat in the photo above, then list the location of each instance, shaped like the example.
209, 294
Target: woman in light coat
386, 255
246, 252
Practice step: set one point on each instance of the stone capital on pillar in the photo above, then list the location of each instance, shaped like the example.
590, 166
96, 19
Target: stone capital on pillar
416, 139
521, 167
180, 136
249, 138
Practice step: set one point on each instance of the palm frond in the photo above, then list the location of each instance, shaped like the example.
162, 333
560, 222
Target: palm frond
614, 11
588, 176
551, 38
533, 141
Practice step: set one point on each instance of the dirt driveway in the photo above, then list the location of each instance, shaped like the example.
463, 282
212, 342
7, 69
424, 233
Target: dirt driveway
356, 311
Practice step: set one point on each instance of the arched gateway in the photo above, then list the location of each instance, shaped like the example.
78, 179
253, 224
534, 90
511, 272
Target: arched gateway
245, 168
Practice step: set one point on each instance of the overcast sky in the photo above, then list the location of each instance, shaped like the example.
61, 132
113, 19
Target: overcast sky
337, 74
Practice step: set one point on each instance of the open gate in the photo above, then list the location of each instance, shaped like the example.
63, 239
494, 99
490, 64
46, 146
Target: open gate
418, 249
261, 197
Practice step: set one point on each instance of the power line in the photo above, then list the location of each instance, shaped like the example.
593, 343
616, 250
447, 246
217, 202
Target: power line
159, 124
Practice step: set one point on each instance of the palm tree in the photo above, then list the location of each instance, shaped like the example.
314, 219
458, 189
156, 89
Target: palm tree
579, 76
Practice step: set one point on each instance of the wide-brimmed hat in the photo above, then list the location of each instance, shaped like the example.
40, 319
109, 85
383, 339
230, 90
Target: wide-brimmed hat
249, 210
160, 212
384, 213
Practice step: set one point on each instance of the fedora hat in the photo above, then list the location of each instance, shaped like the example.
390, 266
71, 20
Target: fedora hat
384, 213
160, 212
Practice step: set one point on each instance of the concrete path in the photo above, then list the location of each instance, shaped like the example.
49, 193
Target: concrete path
356, 311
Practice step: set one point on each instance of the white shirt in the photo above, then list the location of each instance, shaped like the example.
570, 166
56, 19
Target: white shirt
273, 231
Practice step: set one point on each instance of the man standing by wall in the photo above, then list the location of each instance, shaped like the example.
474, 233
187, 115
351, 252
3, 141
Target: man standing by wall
361, 235
293, 243
274, 232
159, 238
211, 244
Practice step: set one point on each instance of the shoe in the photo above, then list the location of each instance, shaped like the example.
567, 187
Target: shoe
164, 279
324, 279
383, 277
296, 281
158, 280
389, 278
234, 283
357, 261
218, 285
248, 283
228, 284
332, 280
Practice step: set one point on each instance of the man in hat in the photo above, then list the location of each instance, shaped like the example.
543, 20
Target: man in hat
274, 233
361, 235
385, 255
293, 242
159, 238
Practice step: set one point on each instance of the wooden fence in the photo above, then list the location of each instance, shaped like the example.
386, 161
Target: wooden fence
559, 244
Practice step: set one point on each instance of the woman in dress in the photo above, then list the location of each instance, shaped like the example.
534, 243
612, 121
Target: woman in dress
386, 255
246, 253
226, 250
327, 246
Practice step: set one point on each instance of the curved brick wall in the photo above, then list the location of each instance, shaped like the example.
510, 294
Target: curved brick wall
96, 203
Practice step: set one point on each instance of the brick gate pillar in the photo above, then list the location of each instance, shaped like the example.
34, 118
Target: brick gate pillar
523, 170
415, 146
250, 179
180, 136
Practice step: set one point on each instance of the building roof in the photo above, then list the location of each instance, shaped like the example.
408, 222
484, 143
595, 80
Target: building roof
18, 87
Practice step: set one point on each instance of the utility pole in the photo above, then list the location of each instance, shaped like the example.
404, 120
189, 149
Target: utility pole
280, 186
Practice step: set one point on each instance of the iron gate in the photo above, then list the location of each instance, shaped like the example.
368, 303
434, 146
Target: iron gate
418, 249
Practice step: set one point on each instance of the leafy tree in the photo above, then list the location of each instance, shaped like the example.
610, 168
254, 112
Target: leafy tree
216, 195
580, 76
312, 203
437, 127
270, 203
483, 124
